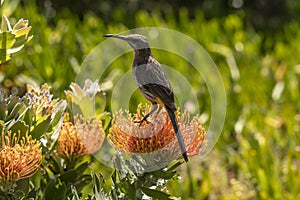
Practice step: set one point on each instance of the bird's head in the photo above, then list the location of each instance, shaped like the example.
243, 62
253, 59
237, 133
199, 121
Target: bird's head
136, 41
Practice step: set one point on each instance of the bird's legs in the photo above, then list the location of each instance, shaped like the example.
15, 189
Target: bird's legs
153, 109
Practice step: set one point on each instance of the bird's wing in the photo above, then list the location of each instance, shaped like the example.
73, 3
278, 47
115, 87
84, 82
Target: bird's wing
154, 84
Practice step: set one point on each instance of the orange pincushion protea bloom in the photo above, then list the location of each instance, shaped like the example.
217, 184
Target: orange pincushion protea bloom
80, 138
158, 135
19, 157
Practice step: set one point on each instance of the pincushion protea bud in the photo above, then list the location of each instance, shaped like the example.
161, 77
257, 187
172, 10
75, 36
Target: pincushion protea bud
89, 100
41, 99
156, 136
79, 138
20, 157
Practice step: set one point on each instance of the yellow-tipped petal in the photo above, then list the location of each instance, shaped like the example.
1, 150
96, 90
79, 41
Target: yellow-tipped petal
22, 32
20, 24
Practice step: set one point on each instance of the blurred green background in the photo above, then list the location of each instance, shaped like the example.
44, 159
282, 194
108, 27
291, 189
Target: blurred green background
255, 45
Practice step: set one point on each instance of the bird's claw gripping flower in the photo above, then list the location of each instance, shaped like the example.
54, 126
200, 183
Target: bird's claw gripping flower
156, 136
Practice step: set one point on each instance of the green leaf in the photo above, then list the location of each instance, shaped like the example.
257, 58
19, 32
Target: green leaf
19, 126
105, 118
69, 176
41, 128
23, 185
14, 113
21, 41
100, 102
3, 110
60, 107
163, 174
27, 117
1, 126
82, 167
3, 196
7, 40
4, 56
13, 100
53, 165
73, 174
5, 24
155, 194
83, 181
114, 178
15, 49
169, 173
97, 181
174, 166
55, 190
128, 188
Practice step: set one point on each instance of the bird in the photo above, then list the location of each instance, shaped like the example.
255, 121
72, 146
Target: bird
152, 81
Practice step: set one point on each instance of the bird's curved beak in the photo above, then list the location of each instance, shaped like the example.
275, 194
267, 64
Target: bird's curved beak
115, 36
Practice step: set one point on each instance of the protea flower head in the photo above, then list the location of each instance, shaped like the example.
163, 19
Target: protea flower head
20, 157
155, 139
79, 138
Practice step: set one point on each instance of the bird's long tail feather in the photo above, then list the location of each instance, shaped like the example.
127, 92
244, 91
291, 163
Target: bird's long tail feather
178, 134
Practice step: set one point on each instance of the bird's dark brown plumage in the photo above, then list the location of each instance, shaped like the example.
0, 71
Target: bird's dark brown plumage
152, 81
